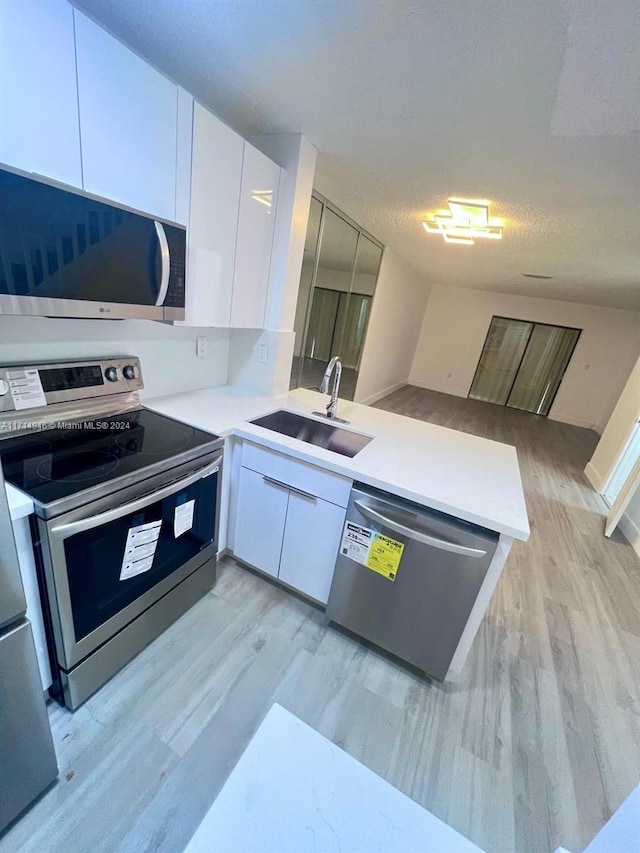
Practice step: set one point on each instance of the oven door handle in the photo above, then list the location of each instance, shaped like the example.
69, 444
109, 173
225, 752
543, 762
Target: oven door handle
63, 531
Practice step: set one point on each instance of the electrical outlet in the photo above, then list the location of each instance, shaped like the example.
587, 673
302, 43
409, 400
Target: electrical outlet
201, 346
448, 376
263, 353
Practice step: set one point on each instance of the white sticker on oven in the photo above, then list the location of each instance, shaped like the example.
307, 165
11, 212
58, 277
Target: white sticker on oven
140, 549
183, 518
356, 541
26, 389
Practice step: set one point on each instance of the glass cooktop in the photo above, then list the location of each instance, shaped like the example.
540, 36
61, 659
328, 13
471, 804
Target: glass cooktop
55, 463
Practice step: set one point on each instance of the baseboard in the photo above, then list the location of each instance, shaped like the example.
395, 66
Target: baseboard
593, 477
568, 419
631, 532
432, 386
380, 394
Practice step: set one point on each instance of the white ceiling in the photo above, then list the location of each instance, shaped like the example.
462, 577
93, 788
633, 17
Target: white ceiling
534, 104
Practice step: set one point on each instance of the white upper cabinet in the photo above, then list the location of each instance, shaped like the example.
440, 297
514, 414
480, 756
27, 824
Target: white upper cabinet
216, 171
128, 123
39, 129
183, 156
234, 195
258, 205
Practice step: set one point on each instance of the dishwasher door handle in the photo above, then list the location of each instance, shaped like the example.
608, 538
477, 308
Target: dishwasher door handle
423, 538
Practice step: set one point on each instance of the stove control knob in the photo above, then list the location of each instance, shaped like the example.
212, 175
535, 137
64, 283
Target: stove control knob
4, 387
129, 371
112, 374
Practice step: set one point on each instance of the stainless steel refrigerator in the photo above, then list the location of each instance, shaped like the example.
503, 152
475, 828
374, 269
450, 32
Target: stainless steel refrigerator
27, 756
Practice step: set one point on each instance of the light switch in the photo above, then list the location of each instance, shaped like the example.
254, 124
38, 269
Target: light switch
201, 346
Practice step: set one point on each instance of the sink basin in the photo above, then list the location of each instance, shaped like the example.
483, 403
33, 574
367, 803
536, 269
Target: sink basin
314, 432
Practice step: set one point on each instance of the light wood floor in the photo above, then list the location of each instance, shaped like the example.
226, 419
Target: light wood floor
534, 745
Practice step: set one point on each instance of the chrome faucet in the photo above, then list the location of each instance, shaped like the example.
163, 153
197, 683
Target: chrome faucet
332, 405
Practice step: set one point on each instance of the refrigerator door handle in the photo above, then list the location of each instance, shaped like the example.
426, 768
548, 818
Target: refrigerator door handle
423, 538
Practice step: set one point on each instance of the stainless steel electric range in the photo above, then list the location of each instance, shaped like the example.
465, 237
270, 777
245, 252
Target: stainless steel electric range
126, 511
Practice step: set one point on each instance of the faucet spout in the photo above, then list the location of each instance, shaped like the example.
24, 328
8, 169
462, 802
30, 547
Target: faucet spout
324, 387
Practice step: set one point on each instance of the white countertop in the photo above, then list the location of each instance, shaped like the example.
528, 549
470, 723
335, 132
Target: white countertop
464, 475
19, 503
294, 791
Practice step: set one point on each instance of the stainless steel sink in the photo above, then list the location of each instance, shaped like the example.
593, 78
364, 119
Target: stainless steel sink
314, 432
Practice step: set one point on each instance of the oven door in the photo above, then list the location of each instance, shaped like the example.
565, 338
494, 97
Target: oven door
107, 562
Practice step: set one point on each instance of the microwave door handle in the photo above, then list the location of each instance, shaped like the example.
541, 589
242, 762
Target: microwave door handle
416, 535
165, 257
63, 531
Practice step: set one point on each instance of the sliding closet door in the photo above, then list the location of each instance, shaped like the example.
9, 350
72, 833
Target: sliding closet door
542, 368
503, 351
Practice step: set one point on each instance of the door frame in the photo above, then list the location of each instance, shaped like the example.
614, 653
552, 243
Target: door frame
618, 507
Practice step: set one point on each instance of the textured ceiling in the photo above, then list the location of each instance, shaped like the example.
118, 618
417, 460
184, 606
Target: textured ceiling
533, 104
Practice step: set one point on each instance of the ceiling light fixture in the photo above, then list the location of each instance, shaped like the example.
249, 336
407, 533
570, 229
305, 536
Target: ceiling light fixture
464, 222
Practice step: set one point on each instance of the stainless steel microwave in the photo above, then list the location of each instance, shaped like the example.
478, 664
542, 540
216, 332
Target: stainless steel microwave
65, 253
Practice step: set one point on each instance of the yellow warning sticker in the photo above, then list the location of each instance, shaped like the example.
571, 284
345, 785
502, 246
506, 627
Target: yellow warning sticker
384, 556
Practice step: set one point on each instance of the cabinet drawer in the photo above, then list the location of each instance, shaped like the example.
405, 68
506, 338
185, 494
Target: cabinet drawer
299, 475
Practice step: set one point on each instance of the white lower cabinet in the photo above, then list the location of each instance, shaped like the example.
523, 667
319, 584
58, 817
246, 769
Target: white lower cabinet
261, 516
311, 540
284, 525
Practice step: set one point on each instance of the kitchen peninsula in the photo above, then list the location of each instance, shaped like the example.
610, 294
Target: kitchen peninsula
464, 476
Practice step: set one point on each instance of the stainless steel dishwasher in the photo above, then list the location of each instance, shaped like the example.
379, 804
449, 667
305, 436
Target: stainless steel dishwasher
406, 577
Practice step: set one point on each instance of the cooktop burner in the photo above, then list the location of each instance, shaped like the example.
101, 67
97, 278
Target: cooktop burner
76, 467
57, 463
175, 442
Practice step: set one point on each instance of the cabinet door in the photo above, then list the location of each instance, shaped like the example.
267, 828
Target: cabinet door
184, 146
261, 514
311, 540
128, 124
38, 94
213, 223
258, 204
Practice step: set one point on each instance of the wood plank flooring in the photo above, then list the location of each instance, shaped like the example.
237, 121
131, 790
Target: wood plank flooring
534, 745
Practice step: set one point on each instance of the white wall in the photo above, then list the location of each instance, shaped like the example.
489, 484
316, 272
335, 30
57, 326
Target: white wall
456, 324
617, 432
247, 373
167, 353
396, 319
